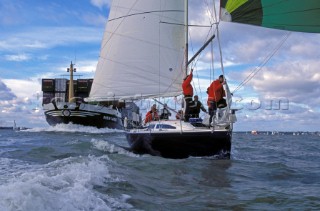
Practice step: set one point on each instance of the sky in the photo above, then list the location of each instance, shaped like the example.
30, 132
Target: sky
39, 39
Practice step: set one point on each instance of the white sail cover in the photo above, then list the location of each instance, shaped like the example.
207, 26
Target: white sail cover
142, 52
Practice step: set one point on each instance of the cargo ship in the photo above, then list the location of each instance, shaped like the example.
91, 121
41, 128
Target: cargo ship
63, 102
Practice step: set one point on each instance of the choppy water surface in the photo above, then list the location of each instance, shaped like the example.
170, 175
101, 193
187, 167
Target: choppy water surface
82, 168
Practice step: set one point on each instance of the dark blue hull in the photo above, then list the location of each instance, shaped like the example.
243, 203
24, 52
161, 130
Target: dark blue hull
182, 145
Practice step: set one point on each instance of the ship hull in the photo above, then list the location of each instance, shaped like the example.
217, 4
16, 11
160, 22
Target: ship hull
83, 114
83, 117
204, 142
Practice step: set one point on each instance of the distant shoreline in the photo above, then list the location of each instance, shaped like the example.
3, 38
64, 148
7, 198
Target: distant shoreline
3, 128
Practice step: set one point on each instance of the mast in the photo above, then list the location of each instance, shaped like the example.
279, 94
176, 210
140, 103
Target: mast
71, 90
186, 35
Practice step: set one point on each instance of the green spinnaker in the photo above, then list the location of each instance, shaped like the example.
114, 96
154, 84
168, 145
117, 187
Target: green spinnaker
291, 15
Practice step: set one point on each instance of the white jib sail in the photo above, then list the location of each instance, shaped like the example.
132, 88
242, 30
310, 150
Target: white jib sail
142, 52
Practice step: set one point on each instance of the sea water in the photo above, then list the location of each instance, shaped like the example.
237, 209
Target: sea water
70, 167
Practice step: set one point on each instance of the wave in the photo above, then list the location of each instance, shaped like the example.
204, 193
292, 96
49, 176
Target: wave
112, 148
68, 184
73, 128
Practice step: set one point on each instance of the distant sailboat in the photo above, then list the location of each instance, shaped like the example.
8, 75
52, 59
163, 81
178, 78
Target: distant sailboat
15, 125
254, 132
144, 56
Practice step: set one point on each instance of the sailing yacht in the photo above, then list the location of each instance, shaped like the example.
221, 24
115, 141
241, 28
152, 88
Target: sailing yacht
144, 55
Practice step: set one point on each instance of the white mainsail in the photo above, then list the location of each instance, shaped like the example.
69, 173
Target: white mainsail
142, 52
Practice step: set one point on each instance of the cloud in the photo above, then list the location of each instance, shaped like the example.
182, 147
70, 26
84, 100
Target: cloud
291, 71
87, 66
94, 19
299, 81
18, 99
42, 37
18, 57
9, 13
296, 118
101, 3
200, 20
21, 13
5, 92
291, 74
23, 89
296, 84
22, 115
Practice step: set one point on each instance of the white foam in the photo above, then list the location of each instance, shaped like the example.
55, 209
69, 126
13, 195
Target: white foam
73, 128
10, 168
66, 184
11, 141
111, 148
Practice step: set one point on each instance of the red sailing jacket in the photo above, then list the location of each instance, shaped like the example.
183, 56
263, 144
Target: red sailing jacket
151, 116
187, 87
215, 91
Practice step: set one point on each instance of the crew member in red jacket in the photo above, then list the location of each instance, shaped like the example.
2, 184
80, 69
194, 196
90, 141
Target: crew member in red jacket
187, 90
215, 96
152, 115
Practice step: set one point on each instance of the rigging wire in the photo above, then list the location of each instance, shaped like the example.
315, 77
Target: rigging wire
228, 94
159, 58
214, 18
197, 76
180, 24
194, 63
219, 42
212, 23
142, 13
209, 11
211, 64
263, 63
